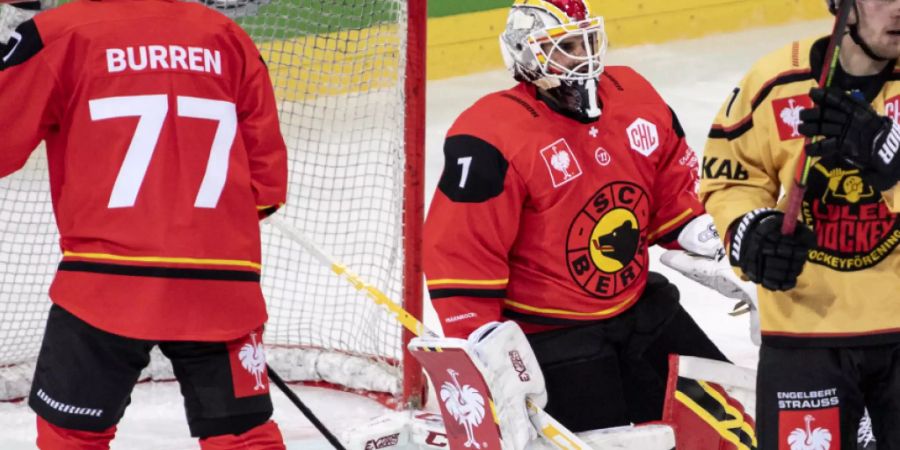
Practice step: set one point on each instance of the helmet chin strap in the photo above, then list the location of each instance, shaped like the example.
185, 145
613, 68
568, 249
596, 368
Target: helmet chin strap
854, 34
574, 99
547, 83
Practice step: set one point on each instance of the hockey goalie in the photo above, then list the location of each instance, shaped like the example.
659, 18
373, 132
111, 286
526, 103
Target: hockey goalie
551, 195
536, 253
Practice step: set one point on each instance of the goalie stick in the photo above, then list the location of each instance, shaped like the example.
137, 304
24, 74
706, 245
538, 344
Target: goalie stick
549, 428
832, 58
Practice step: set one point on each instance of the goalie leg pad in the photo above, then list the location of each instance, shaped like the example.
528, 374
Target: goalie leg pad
511, 370
483, 384
708, 402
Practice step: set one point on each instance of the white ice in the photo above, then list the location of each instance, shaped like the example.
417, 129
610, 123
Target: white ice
694, 76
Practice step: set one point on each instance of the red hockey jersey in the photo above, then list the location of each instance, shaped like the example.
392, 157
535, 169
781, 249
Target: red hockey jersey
164, 148
546, 220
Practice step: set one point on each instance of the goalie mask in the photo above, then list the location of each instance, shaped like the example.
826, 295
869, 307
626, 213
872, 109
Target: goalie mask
558, 46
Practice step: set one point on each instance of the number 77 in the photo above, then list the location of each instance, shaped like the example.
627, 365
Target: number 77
151, 111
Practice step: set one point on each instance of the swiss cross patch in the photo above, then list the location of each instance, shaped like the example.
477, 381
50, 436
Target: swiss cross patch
892, 108
561, 163
248, 365
811, 428
787, 115
643, 136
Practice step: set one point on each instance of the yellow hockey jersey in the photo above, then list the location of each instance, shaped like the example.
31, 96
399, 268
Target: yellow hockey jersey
849, 291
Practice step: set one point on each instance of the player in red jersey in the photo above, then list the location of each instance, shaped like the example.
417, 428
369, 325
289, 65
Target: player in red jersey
551, 194
164, 152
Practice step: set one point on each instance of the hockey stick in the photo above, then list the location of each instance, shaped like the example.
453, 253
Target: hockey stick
801, 174
553, 431
329, 436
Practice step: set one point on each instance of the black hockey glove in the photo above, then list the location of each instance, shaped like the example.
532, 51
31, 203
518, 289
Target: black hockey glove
856, 133
765, 255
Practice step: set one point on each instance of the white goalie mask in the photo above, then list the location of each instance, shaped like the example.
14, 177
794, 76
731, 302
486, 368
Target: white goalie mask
559, 47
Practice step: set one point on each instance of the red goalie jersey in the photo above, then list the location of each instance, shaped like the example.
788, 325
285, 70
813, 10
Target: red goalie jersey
164, 149
546, 220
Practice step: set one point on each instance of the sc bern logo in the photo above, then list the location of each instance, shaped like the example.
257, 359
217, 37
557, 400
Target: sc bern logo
605, 249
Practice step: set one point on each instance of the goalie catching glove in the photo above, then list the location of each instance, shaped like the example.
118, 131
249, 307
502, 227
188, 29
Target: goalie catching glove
703, 260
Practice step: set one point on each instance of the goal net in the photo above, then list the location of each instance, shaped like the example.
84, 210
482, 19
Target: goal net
349, 79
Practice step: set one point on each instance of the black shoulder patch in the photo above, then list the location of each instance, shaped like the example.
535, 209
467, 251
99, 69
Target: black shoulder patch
24, 43
474, 170
676, 124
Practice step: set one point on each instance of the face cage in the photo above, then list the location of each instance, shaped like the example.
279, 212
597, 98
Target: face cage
592, 34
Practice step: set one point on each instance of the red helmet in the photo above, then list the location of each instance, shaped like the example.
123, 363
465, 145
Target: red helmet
576, 9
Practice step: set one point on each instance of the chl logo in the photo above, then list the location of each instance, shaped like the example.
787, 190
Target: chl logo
643, 137
892, 109
606, 249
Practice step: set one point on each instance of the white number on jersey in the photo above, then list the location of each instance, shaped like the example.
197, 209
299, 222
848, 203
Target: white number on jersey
465, 162
151, 111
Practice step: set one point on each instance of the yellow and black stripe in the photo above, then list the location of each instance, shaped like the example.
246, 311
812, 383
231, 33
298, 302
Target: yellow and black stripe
455, 287
712, 407
267, 210
671, 226
161, 267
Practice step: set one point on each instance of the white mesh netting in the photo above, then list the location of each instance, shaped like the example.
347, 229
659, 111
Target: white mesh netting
338, 67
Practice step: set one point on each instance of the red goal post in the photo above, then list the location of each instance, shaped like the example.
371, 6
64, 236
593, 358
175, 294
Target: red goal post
350, 80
